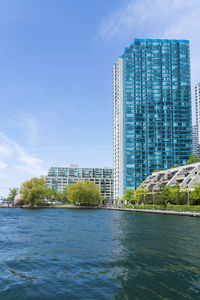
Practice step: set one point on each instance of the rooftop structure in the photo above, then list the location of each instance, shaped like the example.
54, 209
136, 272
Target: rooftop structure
186, 176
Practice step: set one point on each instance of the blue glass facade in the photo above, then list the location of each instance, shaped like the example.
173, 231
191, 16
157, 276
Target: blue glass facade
157, 127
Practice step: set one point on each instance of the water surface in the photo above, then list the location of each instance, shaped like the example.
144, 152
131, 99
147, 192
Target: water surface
98, 254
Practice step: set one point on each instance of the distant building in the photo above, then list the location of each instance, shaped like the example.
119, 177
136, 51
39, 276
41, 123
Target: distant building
186, 176
152, 127
3, 201
58, 178
195, 144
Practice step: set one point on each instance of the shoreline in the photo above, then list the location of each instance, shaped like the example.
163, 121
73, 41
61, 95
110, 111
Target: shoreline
158, 211
154, 211
58, 206
62, 207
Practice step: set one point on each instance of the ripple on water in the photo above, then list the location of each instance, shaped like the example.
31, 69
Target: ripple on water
97, 254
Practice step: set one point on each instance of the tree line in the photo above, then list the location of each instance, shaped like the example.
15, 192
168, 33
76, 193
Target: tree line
35, 192
169, 195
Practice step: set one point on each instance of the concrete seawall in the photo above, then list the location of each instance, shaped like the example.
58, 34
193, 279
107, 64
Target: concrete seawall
154, 211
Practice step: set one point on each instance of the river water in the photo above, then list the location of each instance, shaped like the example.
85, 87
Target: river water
98, 254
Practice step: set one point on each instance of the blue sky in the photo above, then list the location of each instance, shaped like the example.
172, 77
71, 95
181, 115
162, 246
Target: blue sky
56, 60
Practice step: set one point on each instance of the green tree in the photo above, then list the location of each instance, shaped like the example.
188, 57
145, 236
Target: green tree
34, 191
175, 190
195, 195
193, 159
129, 196
183, 197
178, 196
165, 196
61, 196
140, 195
54, 195
173, 195
84, 193
12, 193
50, 195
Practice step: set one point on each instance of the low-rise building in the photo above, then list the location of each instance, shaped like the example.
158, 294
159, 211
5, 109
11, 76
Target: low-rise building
186, 176
60, 177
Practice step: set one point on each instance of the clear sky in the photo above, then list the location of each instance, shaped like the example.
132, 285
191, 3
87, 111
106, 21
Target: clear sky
56, 60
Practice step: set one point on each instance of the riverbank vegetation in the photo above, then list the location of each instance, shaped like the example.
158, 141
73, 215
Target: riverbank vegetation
35, 193
169, 207
170, 195
12, 193
84, 193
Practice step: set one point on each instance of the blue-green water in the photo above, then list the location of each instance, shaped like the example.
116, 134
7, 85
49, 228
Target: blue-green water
98, 254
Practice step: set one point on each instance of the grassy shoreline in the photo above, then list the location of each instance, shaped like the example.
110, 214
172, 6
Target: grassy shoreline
176, 208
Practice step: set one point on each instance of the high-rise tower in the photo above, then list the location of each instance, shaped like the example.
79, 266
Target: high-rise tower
152, 126
197, 102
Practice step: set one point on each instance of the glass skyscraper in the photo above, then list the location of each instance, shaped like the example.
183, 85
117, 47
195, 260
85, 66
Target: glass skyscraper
152, 127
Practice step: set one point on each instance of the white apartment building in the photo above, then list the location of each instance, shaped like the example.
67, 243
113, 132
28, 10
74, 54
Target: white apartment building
118, 132
59, 178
